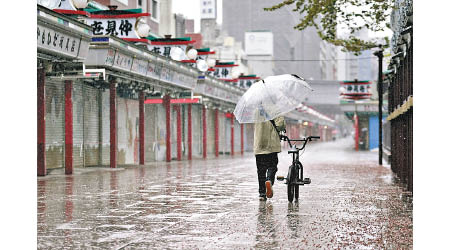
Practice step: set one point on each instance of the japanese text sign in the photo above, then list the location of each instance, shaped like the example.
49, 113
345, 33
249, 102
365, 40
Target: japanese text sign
120, 27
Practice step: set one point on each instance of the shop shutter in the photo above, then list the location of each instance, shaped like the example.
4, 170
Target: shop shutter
237, 137
222, 129
54, 124
210, 131
78, 120
160, 145
184, 127
104, 138
91, 126
227, 135
127, 131
197, 132
151, 116
173, 132
249, 133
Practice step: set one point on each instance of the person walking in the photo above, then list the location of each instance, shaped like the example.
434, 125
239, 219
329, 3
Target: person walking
266, 147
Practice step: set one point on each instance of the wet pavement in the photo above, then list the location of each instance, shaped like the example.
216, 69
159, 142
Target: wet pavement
351, 203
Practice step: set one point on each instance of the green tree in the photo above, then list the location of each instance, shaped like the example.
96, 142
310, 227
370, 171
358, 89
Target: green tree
354, 15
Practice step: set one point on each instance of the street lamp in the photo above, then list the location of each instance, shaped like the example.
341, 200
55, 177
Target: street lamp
379, 54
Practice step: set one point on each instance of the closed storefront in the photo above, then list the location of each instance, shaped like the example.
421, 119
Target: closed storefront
127, 131
54, 124
155, 132
91, 126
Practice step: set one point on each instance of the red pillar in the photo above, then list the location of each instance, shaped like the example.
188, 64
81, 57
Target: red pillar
356, 132
189, 131
204, 131
112, 125
41, 167
68, 127
242, 139
179, 137
141, 128
216, 132
232, 133
166, 103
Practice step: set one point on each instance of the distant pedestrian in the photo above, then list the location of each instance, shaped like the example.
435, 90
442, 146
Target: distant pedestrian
266, 146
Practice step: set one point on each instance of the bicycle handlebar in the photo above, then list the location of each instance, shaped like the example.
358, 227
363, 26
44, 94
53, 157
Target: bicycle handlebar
304, 140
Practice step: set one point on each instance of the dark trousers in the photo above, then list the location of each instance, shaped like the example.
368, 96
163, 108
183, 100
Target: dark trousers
267, 168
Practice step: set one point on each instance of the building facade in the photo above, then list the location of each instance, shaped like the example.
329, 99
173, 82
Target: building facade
288, 44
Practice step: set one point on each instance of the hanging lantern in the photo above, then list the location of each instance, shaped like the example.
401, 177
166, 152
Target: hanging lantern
177, 54
202, 65
142, 28
80, 4
192, 54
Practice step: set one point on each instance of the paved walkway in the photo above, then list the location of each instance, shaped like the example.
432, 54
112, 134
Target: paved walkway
212, 204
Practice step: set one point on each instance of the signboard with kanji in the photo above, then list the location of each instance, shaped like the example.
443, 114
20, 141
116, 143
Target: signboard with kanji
120, 27
246, 81
60, 36
356, 90
164, 49
222, 71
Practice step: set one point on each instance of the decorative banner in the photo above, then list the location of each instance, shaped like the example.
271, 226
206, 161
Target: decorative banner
247, 81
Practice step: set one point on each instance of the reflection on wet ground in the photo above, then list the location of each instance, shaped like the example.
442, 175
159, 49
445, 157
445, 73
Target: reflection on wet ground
212, 204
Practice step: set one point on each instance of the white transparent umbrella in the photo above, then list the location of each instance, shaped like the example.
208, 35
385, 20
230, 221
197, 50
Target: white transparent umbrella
272, 97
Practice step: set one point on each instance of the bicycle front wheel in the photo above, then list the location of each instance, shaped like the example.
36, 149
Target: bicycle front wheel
290, 191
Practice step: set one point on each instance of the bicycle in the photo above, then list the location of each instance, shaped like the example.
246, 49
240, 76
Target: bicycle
295, 173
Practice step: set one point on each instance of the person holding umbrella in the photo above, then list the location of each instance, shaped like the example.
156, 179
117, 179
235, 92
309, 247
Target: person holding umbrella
266, 147
264, 104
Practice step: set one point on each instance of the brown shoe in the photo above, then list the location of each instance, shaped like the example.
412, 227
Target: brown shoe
269, 192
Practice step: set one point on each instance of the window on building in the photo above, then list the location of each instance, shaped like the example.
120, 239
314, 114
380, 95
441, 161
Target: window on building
155, 10
204, 2
209, 10
139, 3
